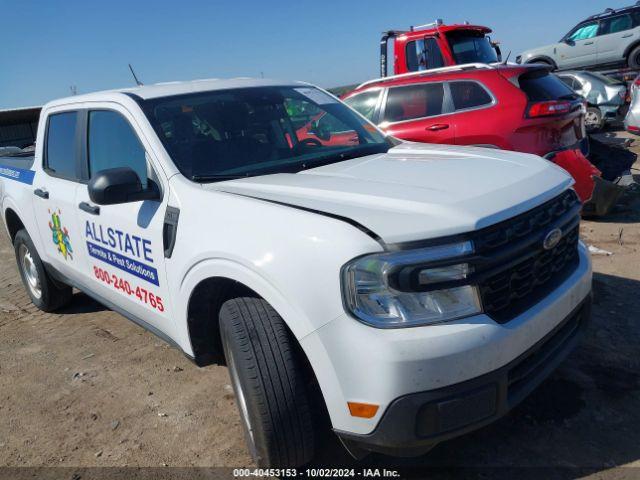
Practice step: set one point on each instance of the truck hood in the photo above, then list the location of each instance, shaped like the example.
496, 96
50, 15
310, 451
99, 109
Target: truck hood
415, 191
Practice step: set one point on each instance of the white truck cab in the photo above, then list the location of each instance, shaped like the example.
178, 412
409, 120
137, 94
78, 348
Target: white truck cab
417, 291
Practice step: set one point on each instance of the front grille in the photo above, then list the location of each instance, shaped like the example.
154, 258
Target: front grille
515, 271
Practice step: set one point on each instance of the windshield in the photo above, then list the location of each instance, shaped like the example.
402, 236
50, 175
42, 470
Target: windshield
227, 134
471, 47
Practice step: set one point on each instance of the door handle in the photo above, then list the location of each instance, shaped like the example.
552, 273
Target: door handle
627, 35
38, 192
92, 209
437, 126
588, 43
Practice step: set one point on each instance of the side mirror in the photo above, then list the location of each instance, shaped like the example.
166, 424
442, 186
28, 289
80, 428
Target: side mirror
569, 42
496, 47
120, 185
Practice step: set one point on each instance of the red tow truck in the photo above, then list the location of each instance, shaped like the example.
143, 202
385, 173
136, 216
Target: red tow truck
437, 45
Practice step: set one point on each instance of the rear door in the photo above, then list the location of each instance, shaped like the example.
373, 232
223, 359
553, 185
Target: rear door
474, 121
614, 35
578, 48
55, 192
419, 112
124, 243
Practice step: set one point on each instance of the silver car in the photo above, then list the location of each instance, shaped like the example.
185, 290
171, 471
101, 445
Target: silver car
605, 96
632, 119
609, 38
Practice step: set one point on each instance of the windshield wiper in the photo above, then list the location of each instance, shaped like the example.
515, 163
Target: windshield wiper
216, 178
361, 151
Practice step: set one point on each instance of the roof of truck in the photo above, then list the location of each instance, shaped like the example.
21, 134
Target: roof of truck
177, 88
421, 31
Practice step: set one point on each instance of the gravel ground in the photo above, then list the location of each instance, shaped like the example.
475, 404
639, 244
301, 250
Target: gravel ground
86, 388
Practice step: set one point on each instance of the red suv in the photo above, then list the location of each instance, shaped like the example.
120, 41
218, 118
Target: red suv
521, 108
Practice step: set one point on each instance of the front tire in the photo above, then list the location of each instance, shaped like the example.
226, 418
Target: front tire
593, 120
269, 382
633, 60
45, 294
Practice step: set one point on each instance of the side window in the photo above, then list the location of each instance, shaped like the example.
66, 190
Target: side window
469, 95
113, 143
415, 101
60, 158
364, 103
616, 24
423, 54
568, 81
584, 31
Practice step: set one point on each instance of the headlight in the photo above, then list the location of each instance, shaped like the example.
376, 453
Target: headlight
391, 290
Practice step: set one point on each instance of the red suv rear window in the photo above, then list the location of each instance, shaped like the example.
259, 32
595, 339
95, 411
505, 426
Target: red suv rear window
540, 85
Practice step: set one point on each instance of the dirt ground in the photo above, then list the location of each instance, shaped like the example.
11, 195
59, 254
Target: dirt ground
85, 387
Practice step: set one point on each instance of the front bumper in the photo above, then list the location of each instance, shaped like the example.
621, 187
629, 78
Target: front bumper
353, 362
414, 423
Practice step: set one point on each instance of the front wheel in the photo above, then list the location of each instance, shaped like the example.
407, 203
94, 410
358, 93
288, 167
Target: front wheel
269, 383
633, 60
593, 120
45, 294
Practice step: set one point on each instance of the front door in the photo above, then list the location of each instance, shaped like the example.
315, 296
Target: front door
124, 245
578, 49
55, 192
419, 113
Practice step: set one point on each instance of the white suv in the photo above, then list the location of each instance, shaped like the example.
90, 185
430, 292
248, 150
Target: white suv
611, 38
421, 290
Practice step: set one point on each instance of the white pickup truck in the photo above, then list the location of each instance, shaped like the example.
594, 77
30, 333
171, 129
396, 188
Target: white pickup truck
417, 291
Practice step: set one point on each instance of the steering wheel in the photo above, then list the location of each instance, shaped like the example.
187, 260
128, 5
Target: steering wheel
308, 142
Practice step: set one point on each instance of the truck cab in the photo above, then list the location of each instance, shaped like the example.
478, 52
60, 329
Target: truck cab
437, 45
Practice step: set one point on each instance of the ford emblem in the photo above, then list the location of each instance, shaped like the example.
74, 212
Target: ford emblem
552, 239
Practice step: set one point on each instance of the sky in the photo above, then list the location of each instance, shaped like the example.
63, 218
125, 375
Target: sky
49, 46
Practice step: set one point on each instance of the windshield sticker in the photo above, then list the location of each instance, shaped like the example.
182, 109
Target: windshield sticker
316, 96
60, 235
121, 250
18, 174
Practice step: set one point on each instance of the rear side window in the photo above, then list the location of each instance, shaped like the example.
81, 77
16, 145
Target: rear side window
616, 24
423, 54
469, 95
414, 101
364, 103
61, 145
113, 144
540, 86
570, 82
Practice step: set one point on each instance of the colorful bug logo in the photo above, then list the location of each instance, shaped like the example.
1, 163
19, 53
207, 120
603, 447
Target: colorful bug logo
60, 235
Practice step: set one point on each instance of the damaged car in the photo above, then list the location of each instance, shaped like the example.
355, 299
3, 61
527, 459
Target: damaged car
605, 97
632, 118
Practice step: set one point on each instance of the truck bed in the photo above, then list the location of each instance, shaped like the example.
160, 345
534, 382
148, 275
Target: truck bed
17, 167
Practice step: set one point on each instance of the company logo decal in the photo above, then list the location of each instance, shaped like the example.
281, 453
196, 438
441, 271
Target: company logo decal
17, 174
552, 239
60, 235
129, 253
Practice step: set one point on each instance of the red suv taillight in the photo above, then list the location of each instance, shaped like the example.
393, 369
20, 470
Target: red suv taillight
551, 107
